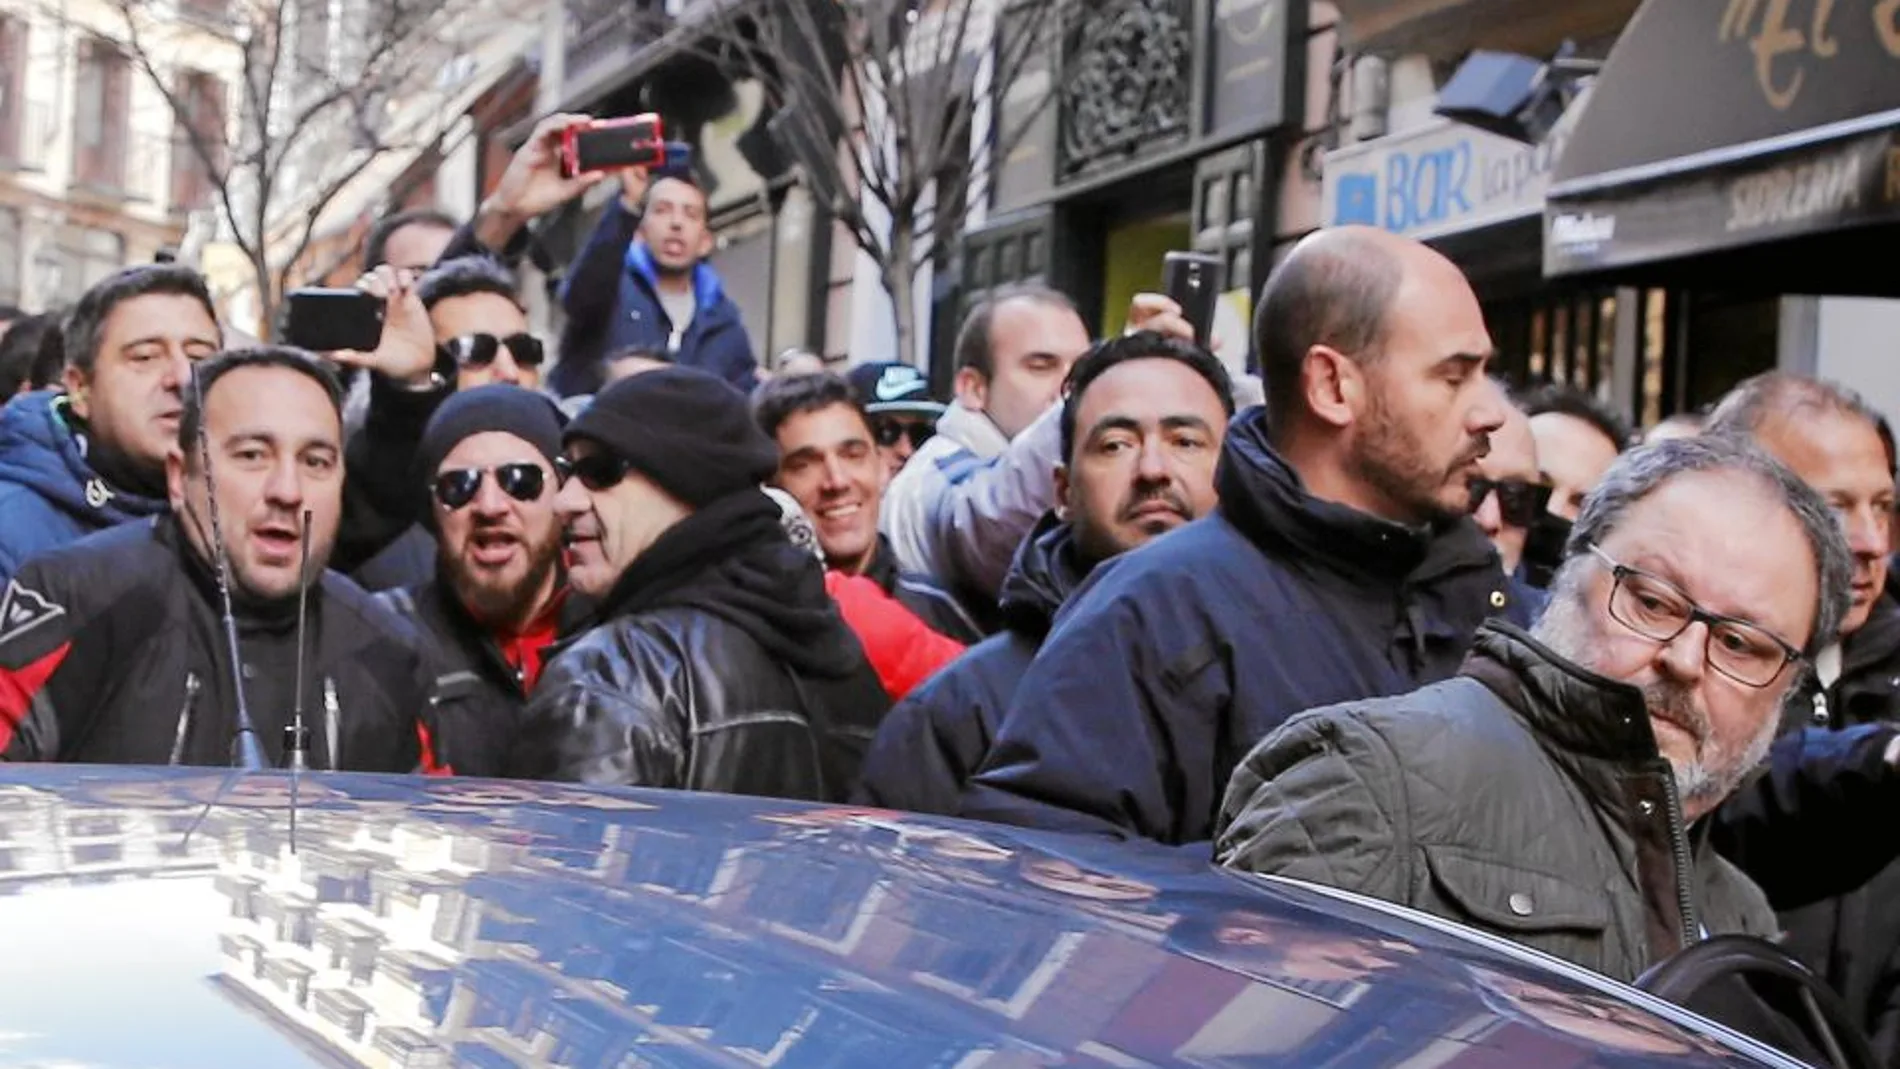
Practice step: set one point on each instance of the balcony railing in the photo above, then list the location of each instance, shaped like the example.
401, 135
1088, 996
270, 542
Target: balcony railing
27, 133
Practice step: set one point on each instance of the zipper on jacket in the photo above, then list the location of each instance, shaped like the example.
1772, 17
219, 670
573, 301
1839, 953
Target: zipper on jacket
1679, 846
184, 718
332, 720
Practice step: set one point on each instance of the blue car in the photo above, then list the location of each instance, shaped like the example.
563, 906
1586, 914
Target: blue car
194, 919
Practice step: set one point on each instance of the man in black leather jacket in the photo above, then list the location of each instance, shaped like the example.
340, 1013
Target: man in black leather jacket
113, 650
717, 661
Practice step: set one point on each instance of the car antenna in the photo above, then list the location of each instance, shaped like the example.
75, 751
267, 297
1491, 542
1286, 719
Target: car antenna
297, 734
246, 751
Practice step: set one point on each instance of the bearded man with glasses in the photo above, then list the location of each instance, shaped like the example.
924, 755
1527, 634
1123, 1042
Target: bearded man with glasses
498, 597
1554, 791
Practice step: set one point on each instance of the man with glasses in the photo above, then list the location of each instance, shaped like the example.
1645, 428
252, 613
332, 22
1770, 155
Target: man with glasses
1552, 792
903, 415
498, 597
718, 662
481, 338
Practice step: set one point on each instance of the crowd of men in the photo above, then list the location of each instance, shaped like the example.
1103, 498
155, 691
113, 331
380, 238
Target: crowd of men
1394, 630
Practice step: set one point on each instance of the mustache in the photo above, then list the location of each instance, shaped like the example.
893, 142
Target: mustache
1167, 495
1479, 448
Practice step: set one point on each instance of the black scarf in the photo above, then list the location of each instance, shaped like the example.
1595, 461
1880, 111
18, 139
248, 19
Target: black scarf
118, 469
733, 560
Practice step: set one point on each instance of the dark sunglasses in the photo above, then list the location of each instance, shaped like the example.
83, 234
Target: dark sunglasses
523, 482
480, 350
596, 471
1519, 502
889, 431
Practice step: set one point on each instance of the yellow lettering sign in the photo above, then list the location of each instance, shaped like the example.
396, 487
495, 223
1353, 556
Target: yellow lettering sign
1773, 32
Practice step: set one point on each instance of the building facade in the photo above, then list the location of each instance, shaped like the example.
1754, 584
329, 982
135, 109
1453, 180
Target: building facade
97, 168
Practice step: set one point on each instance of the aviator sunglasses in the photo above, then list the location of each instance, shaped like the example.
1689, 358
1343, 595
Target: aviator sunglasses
480, 350
523, 482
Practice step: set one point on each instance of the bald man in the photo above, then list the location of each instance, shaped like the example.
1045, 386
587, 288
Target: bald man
1341, 564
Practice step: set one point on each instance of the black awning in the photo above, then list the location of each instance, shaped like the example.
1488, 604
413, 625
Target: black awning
1737, 144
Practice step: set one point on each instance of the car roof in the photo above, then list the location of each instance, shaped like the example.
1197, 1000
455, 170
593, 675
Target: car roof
429, 921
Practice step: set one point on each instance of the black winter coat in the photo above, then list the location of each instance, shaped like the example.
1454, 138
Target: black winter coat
719, 663
114, 652
1173, 661
934, 740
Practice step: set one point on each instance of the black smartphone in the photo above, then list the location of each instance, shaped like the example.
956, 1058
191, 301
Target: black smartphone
326, 320
1194, 280
636, 141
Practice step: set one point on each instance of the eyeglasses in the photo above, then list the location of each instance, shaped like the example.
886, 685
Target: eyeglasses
1657, 609
1520, 501
480, 350
889, 431
523, 482
596, 471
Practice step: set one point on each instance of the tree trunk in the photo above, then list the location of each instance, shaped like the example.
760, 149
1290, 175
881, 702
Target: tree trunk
900, 278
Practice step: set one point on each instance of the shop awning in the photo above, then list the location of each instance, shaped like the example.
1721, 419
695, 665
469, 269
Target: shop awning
1748, 145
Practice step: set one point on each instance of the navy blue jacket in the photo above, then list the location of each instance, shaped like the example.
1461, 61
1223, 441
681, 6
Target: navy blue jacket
1172, 661
612, 303
931, 744
49, 496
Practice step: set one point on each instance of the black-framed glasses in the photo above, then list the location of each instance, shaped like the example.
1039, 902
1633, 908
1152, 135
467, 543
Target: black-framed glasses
1657, 609
523, 482
480, 350
1520, 501
889, 432
596, 471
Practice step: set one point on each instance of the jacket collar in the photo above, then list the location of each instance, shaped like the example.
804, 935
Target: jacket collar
1877, 643
1572, 709
883, 567
974, 431
1047, 569
41, 449
707, 289
1262, 496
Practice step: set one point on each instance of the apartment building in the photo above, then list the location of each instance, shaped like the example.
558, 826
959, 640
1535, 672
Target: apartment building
96, 169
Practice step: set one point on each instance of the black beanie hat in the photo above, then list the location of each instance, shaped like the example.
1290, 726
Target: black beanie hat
690, 432
532, 417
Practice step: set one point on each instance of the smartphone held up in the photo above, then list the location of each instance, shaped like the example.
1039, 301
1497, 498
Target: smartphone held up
1194, 280
609, 144
330, 320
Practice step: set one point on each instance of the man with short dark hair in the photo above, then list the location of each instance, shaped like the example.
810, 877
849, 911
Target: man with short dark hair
114, 651
1551, 793
24, 366
1142, 421
1578, 438
1341, 562
93, 456
498, 598
410, 240
969, 495
643, 279
830, 464
718, 661
480, 324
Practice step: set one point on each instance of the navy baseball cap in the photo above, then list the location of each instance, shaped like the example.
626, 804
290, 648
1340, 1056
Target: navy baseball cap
893, 388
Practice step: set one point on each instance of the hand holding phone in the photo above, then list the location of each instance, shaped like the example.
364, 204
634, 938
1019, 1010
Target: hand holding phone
325, 320
612, 144
1194, 280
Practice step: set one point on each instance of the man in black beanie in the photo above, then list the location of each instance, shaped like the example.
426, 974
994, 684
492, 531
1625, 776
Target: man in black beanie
498, 598
717, 661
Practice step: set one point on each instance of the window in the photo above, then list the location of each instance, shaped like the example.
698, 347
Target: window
86, 255
12, 87
102, 102
201, 110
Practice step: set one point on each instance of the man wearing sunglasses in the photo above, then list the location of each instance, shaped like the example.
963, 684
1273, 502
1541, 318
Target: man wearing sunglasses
498, 597
1552, 792
1508, 496
896, 398
717, 661
481, 328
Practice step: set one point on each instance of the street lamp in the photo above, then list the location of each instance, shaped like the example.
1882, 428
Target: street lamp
1515, 96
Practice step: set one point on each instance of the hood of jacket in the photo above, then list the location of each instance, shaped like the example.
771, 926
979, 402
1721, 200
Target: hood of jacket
1047, 569
1264, 497
708, 291
40, 450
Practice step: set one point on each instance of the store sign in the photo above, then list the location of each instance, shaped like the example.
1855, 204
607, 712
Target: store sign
1440, 179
